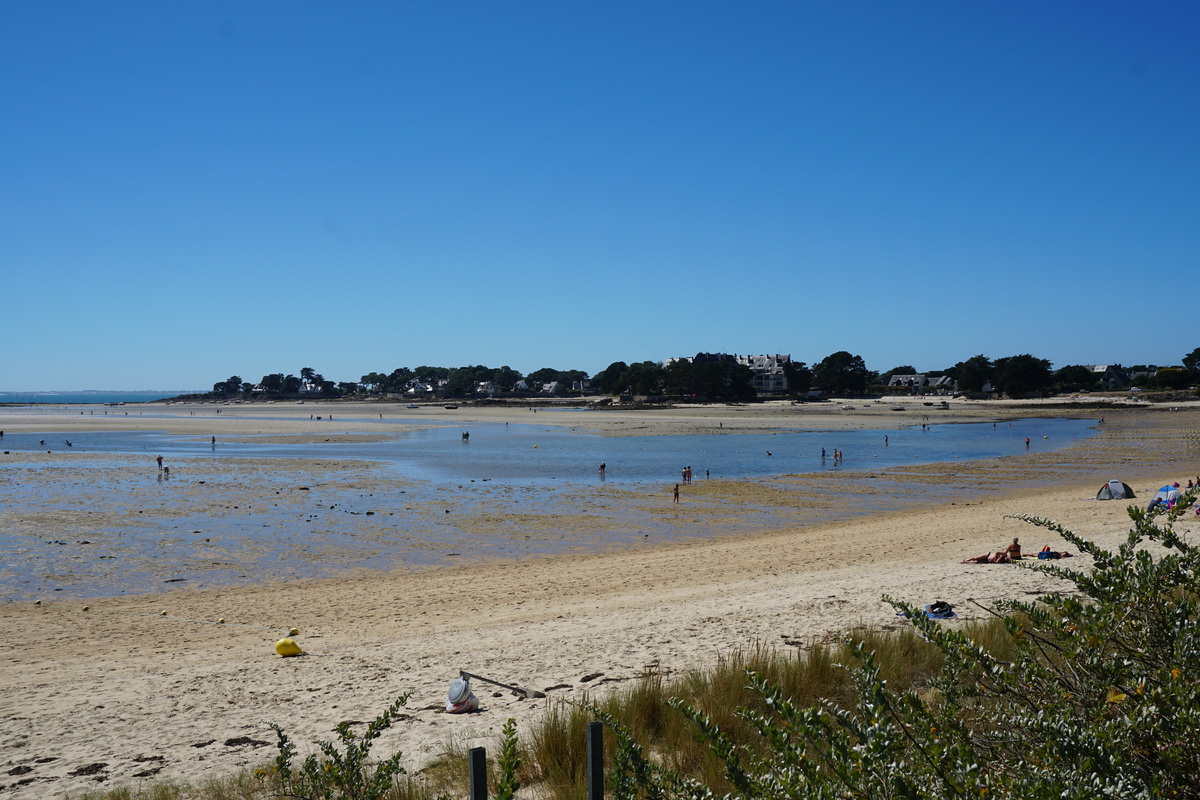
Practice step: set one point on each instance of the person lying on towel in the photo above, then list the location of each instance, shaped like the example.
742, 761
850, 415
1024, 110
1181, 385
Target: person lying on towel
998, 557
1047, 553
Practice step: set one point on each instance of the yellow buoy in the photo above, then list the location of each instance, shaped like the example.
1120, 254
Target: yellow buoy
221, 621
286, 647
37, 602
294, 632
162, 613
87, 608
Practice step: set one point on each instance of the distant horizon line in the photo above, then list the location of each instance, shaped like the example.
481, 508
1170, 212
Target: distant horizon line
102, 391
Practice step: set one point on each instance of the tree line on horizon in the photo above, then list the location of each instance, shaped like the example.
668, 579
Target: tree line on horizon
840, 373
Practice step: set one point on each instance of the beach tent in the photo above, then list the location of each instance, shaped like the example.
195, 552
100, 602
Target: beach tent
1114, 490
1166, 494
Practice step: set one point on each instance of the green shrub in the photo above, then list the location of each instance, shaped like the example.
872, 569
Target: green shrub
1092, 694
345, 774
508, 763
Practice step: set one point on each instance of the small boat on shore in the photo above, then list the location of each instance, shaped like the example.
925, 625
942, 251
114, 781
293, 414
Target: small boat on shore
412, 405
451, 408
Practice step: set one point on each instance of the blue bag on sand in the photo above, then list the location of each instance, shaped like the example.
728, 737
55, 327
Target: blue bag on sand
940, 610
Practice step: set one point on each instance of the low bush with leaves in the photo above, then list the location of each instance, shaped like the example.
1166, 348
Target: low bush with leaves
340, 774
1097, 697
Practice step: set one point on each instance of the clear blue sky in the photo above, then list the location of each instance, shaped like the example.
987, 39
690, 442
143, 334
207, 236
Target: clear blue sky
194, 190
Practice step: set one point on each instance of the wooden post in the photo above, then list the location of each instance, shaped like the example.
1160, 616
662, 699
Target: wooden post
595, 760
478, 761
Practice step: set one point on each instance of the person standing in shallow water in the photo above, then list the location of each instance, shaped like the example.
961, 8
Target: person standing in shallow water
676, 493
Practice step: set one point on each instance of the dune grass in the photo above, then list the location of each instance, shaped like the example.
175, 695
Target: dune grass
554, 748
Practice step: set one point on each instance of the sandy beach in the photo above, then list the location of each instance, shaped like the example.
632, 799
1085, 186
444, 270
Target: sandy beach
184, 696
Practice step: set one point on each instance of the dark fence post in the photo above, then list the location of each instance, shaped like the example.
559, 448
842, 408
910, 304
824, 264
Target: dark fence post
478, 758
595, 760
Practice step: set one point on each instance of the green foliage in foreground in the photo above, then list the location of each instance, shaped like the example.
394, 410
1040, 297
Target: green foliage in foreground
340, 773
1099, 699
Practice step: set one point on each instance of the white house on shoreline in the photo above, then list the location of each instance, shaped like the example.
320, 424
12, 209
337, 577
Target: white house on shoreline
769, 375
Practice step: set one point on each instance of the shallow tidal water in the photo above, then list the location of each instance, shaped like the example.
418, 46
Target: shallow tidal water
101, 519
531, 454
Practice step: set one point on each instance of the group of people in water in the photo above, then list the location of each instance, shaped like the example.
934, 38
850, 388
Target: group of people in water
837, 454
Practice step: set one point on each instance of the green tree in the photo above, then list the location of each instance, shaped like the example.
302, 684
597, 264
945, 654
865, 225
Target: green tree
842, 373
462, 381
973, 373
505, 378
1018, 375
741, 382
541, 377
273, 382
681, 377
608, 379
307, 373
644, 377
569, 377
1191, 361
1074, 377
397, 380
291, 384
431, 375
231, 386
799, 377
1173, 378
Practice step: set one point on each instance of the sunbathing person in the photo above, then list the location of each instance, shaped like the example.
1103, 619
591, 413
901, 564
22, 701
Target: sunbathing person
1014, 550
1047, 553
998, 557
